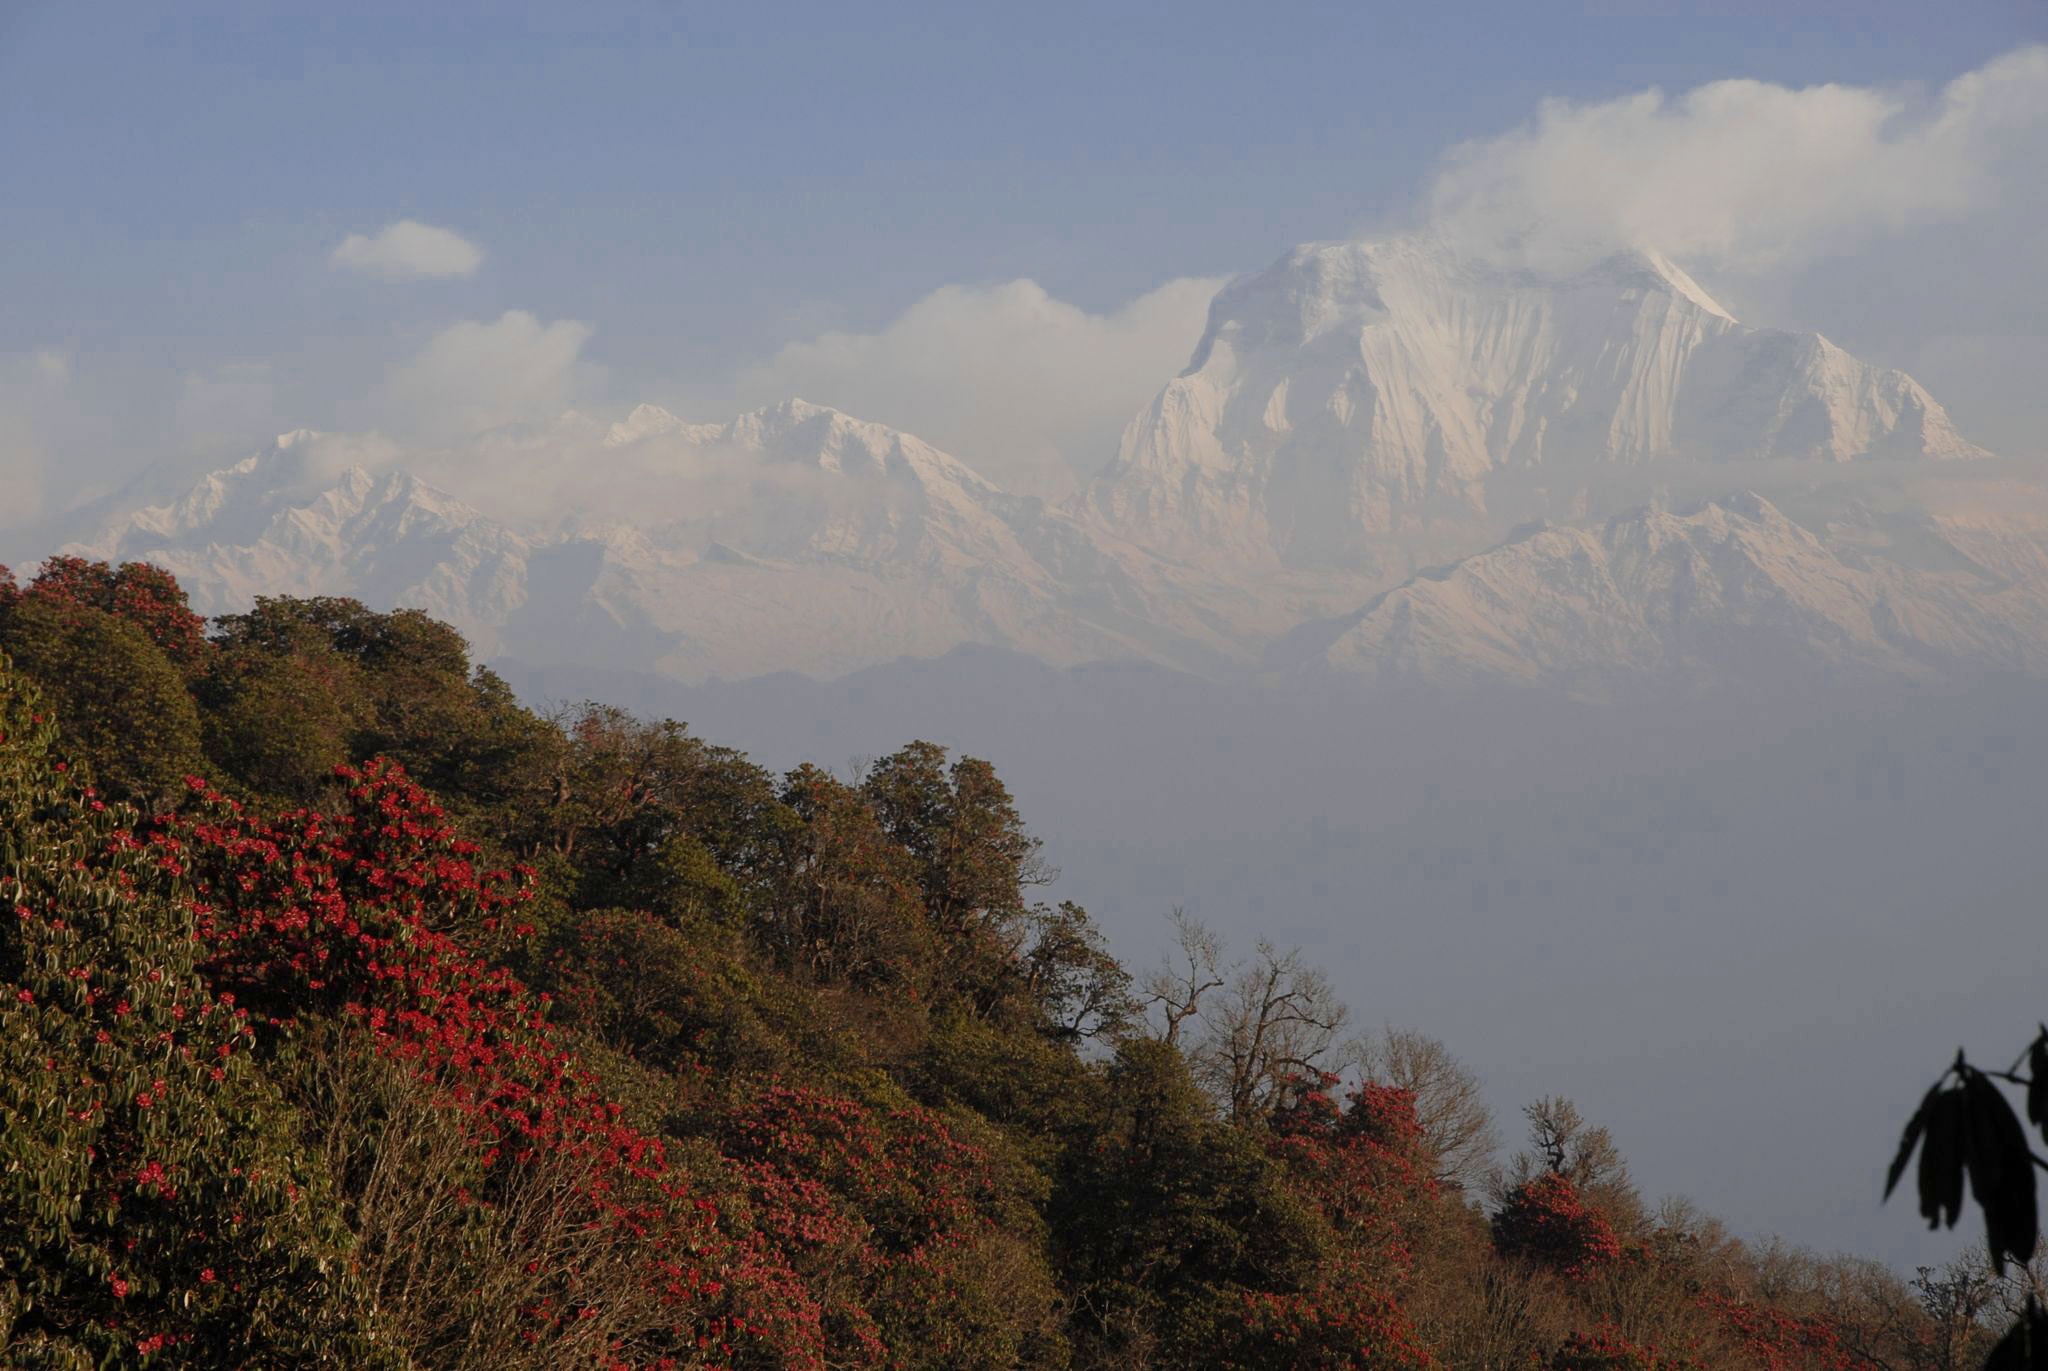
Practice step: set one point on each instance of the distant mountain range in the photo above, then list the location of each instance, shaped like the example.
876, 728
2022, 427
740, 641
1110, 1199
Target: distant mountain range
1343, 481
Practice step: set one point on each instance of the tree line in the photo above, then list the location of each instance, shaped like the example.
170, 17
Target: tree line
354, 1014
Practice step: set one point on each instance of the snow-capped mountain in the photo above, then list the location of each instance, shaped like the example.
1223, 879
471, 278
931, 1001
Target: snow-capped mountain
1729, 592
791, 538
796, 537
305, 517
1353, 414
1356, 391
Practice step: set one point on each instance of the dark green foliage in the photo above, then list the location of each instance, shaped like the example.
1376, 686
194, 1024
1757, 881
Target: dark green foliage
350, 683
1080, 989
686, 999
1028, 1082
125, 706
843, 905
646, 815
971, 860
1164, 1215
282, 721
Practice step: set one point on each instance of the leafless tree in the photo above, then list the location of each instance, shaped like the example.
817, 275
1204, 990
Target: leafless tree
1279, 1020
1457, 1128
1970, 1305
1174, 989
1562, 1140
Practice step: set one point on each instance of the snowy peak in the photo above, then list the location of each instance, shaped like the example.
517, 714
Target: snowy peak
815, 436
1354, 391
238, 501
1319, 289
646, 421
1667, 273
1733, 591
798, 433
791, 537
300, 518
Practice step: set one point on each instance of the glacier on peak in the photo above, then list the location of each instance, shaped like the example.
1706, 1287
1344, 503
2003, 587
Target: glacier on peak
1360, 390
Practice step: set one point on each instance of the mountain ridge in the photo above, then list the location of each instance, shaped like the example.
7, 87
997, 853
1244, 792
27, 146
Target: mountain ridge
1358, 428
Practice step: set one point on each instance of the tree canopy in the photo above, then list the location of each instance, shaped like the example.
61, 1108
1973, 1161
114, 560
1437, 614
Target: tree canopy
354, 1014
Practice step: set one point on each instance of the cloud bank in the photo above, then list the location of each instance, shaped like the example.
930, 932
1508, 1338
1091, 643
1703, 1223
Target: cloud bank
32, 393
1745, 175
1031, 391
480, 375
408, 250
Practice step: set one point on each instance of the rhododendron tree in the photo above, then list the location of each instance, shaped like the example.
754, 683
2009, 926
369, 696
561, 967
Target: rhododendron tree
135, 592
378, 916
152, 1207
1775, 1339
899, 1222
1362, 1169
1545, 1221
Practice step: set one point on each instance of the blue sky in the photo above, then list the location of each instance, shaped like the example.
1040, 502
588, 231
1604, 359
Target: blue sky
700, 186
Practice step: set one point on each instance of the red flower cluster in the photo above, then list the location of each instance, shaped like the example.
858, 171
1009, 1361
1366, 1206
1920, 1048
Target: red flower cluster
146, 596
368, 914
134, 1119
1362, 1168
883, 1202
1546, 1221
1779, 1341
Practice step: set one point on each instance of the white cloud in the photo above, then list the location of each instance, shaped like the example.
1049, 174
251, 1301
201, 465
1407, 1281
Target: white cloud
1742, 174
224, 404
32, 396
476, 375
1031, 391
408, 250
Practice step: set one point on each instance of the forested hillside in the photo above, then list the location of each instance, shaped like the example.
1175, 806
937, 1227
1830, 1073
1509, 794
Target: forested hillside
353, 1014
